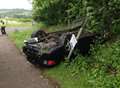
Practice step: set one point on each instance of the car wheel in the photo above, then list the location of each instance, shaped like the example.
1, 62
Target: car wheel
38, 33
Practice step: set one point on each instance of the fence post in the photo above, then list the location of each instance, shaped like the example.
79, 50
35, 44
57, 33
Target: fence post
78, 35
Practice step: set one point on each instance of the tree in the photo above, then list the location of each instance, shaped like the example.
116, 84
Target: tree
103, 15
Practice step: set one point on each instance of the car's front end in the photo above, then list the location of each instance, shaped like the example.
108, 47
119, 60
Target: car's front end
46, 54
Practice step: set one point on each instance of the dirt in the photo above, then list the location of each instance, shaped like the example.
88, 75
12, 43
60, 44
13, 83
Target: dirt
16, 72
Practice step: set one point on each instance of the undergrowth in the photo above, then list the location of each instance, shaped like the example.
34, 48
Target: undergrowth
100, 70
19, 36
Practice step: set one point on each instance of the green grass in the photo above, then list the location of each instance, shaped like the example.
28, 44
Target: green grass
19, 36
18, 19
18, 22
25, 24
67, 78
100, 70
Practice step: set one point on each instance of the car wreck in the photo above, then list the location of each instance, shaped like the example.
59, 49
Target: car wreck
49, 49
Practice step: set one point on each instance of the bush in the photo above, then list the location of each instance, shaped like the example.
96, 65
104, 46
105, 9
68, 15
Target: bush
100, 70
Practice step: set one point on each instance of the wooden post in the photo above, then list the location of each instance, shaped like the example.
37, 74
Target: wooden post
78, 35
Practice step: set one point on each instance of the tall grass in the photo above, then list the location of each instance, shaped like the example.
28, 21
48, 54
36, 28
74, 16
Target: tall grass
19, 36
101, 70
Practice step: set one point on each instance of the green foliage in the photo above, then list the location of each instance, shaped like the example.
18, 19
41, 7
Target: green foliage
48, 11
25, 20
102, 14
19, 19
100, 70
18, 22
19, 36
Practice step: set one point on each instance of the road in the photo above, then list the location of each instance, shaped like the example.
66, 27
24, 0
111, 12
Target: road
15, 71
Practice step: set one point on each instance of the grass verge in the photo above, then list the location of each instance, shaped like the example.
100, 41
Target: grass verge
100, 70
19, 36
25, 24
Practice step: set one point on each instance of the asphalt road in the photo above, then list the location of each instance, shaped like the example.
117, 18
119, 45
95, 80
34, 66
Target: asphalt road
15, 71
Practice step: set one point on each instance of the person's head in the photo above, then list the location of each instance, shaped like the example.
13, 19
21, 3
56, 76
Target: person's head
2, 22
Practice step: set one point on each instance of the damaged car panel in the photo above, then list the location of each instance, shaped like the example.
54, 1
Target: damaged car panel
49, 49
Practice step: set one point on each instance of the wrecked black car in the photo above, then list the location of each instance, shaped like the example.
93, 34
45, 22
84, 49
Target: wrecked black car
49, 49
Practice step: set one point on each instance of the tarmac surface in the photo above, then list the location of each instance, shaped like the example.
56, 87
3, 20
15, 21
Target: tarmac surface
15, 71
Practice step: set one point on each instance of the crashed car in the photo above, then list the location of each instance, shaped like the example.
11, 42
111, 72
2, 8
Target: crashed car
49, 49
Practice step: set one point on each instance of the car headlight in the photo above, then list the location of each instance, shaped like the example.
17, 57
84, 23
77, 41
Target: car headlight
30, 41
25, 41
36, 39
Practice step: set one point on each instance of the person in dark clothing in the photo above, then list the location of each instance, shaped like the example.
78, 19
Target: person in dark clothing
3, 27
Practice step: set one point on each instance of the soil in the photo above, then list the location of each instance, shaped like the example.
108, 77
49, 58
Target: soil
16, 72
